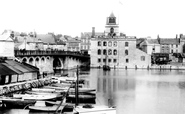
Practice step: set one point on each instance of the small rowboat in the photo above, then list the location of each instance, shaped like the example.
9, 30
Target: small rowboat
83, 89
45, 108
95, 110
17, 103
47, 90
82, 97
42, 93
37, 97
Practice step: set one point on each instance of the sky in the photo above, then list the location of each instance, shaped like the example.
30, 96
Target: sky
140, 18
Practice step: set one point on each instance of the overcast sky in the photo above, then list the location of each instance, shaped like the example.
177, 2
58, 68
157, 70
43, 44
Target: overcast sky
140, 18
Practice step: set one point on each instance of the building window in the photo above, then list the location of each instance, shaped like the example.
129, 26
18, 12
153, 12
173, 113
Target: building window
110, 52
115, 52
115, 60
109, 60
110, 43
99, 43
104, 43
142, 58
176, 46
126, 52
104, 52
126, 44
99, 60
172, 45
99, 52
127, 60
104, 60
115, 43
171, 51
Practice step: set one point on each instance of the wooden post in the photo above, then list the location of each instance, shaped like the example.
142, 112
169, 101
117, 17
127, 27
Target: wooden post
76, 87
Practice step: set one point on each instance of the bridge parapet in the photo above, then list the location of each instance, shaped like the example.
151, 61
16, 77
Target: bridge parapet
23, 53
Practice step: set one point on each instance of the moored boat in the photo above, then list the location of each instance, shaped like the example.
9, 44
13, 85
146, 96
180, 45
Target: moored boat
37, 97
95, 110
17, 103
45, 108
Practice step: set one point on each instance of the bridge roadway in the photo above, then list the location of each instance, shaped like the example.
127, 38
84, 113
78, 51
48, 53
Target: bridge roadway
23, 53
49, 61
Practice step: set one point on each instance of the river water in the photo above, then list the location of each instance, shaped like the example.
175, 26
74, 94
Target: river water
138, 91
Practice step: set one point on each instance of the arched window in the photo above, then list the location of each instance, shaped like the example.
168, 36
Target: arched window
99, 43
99, 52
104, 43
115, 52
104, 52
110, 52
115, 43
126, 44
126, 52
110, 44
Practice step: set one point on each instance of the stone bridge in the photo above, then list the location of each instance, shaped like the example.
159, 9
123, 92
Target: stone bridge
52, 61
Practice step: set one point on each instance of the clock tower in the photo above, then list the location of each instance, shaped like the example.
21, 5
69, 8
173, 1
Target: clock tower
111, 27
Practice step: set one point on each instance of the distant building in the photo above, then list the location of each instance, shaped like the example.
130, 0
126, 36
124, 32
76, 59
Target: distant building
7, 45
115, 49
10, 70
86, 37
150, 46
73, 45
170, 45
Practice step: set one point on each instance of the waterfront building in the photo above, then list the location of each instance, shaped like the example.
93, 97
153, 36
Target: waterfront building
86, 37
115, 49
150, 46
12, 71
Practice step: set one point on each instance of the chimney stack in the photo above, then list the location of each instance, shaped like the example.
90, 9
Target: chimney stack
93, 32
181, 35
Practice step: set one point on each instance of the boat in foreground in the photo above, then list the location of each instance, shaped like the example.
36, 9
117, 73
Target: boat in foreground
37, 97
95, 110
45, 108
17, 103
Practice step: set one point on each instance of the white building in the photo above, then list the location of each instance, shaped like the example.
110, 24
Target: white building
116, 50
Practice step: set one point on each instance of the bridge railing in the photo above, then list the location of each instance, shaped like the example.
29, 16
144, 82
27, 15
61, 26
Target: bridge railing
48, 52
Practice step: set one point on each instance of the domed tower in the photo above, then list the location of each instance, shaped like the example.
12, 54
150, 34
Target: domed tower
111, 27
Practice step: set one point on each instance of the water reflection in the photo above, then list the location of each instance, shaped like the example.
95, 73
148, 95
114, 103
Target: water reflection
141, 91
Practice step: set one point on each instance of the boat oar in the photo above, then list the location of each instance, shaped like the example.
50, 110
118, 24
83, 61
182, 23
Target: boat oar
64, 96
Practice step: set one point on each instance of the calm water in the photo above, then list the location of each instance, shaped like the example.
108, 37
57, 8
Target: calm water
139, 91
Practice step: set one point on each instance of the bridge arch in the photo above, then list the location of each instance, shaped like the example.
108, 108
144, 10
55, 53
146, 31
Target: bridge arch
57, 65
31, 61
24, 59
42, 59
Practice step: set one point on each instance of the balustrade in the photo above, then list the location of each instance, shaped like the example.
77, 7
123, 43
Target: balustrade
47, 53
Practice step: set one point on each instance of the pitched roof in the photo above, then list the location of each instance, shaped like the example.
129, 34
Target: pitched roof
4, 70
46, 38
89, 34
169, 41
152, 41
112, 15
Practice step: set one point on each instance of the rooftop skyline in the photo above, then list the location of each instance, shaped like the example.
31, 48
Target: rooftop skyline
140, 18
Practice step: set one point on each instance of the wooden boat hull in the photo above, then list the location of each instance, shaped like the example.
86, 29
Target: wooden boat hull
37, 97
81, 99
17, 103
96, 110
45, 108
